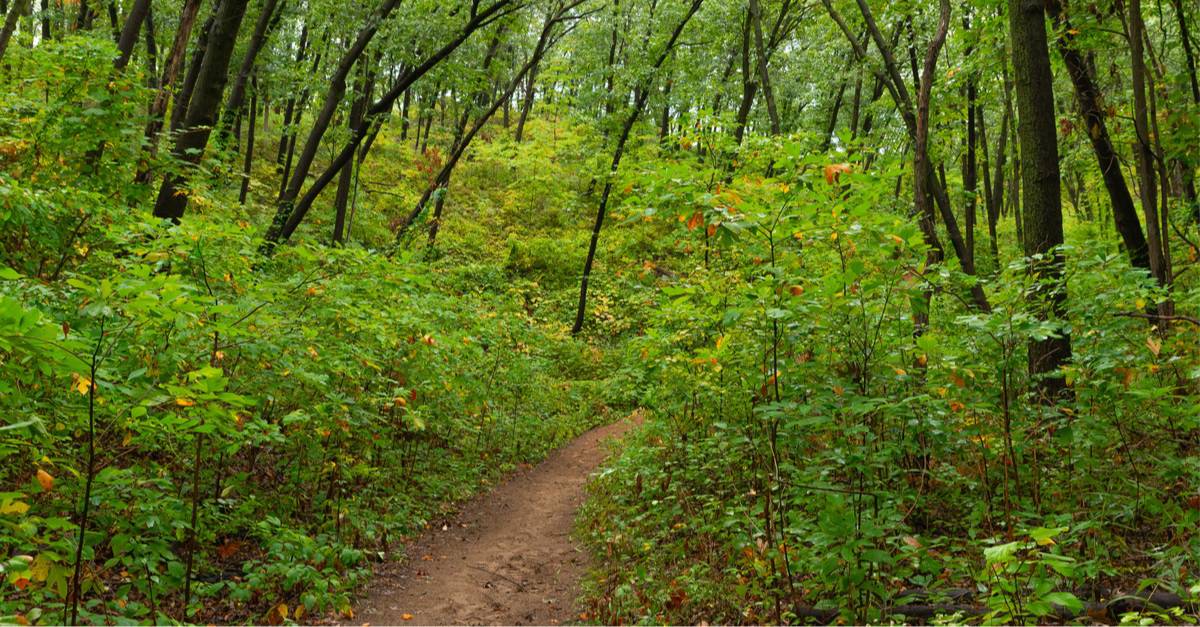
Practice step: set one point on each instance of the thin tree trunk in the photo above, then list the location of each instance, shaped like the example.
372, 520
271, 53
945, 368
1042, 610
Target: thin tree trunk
922, 173
366, 85
249, 141
642, 94
333, 98
763, 75
267, 19
290, 107
202, 110
171, 68
10, 23
287, 218
1088, 96
1148, 185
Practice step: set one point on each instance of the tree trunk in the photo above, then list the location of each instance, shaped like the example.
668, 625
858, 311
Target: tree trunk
129, 32
366, 85
642, 94
1087, 94
1037, 132
202, 110
288, 218
1148, 184
10, 23
289, 108
249, 141
749, 85
763, 75
171, 68
333, 98
922, 173
262, 31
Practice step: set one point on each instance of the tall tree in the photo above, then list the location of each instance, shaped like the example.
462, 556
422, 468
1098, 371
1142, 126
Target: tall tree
1042, 208
204, 106
642, 92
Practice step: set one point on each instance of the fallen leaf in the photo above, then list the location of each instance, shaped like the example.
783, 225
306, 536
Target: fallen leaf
45, 479
406, 616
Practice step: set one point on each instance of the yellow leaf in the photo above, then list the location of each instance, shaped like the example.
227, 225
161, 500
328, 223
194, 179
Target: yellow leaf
184, 402
406, 616
14, 507
81, 383
278, 614
45, 479
39, 570
1045, 541
720, 342
1154, 345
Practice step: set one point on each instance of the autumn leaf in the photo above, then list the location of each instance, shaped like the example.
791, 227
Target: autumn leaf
696, 220
184, 402
81, 383
14, 507
278, 614
834, 171
45, 479
406, 616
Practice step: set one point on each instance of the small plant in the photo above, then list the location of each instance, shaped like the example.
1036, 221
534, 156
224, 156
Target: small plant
1023, 578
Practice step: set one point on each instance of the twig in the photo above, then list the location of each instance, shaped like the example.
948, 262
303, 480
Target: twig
519, 585
1146, 316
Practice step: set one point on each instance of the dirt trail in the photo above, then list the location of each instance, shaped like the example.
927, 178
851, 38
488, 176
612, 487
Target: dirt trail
506, 558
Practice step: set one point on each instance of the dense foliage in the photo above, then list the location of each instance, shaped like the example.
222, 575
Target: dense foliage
282, 281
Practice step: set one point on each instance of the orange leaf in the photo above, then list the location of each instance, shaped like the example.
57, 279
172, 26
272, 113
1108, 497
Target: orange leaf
184, 402
696, 220
406, 616
46, 479
834, 171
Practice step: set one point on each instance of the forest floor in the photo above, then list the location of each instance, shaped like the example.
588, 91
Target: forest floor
507, 556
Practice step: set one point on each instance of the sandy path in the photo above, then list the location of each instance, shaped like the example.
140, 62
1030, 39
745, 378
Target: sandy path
506, 558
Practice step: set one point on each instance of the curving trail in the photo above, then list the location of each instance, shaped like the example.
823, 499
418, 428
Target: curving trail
507, 558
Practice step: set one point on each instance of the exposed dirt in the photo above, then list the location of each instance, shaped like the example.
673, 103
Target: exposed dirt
506, 559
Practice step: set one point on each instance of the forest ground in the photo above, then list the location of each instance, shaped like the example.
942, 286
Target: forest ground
505, 558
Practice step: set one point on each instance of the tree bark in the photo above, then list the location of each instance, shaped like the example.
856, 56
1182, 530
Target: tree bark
10, 23
171, 68
1091, 109
1148, 185
237, 92
249, 142
922, 173
333, 98
202, 110
130, 31
1037, 131
763, 75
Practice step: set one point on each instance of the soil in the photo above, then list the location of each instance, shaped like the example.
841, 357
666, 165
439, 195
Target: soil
507, 557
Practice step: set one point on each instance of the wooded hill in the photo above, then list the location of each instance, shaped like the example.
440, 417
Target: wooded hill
904, 290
